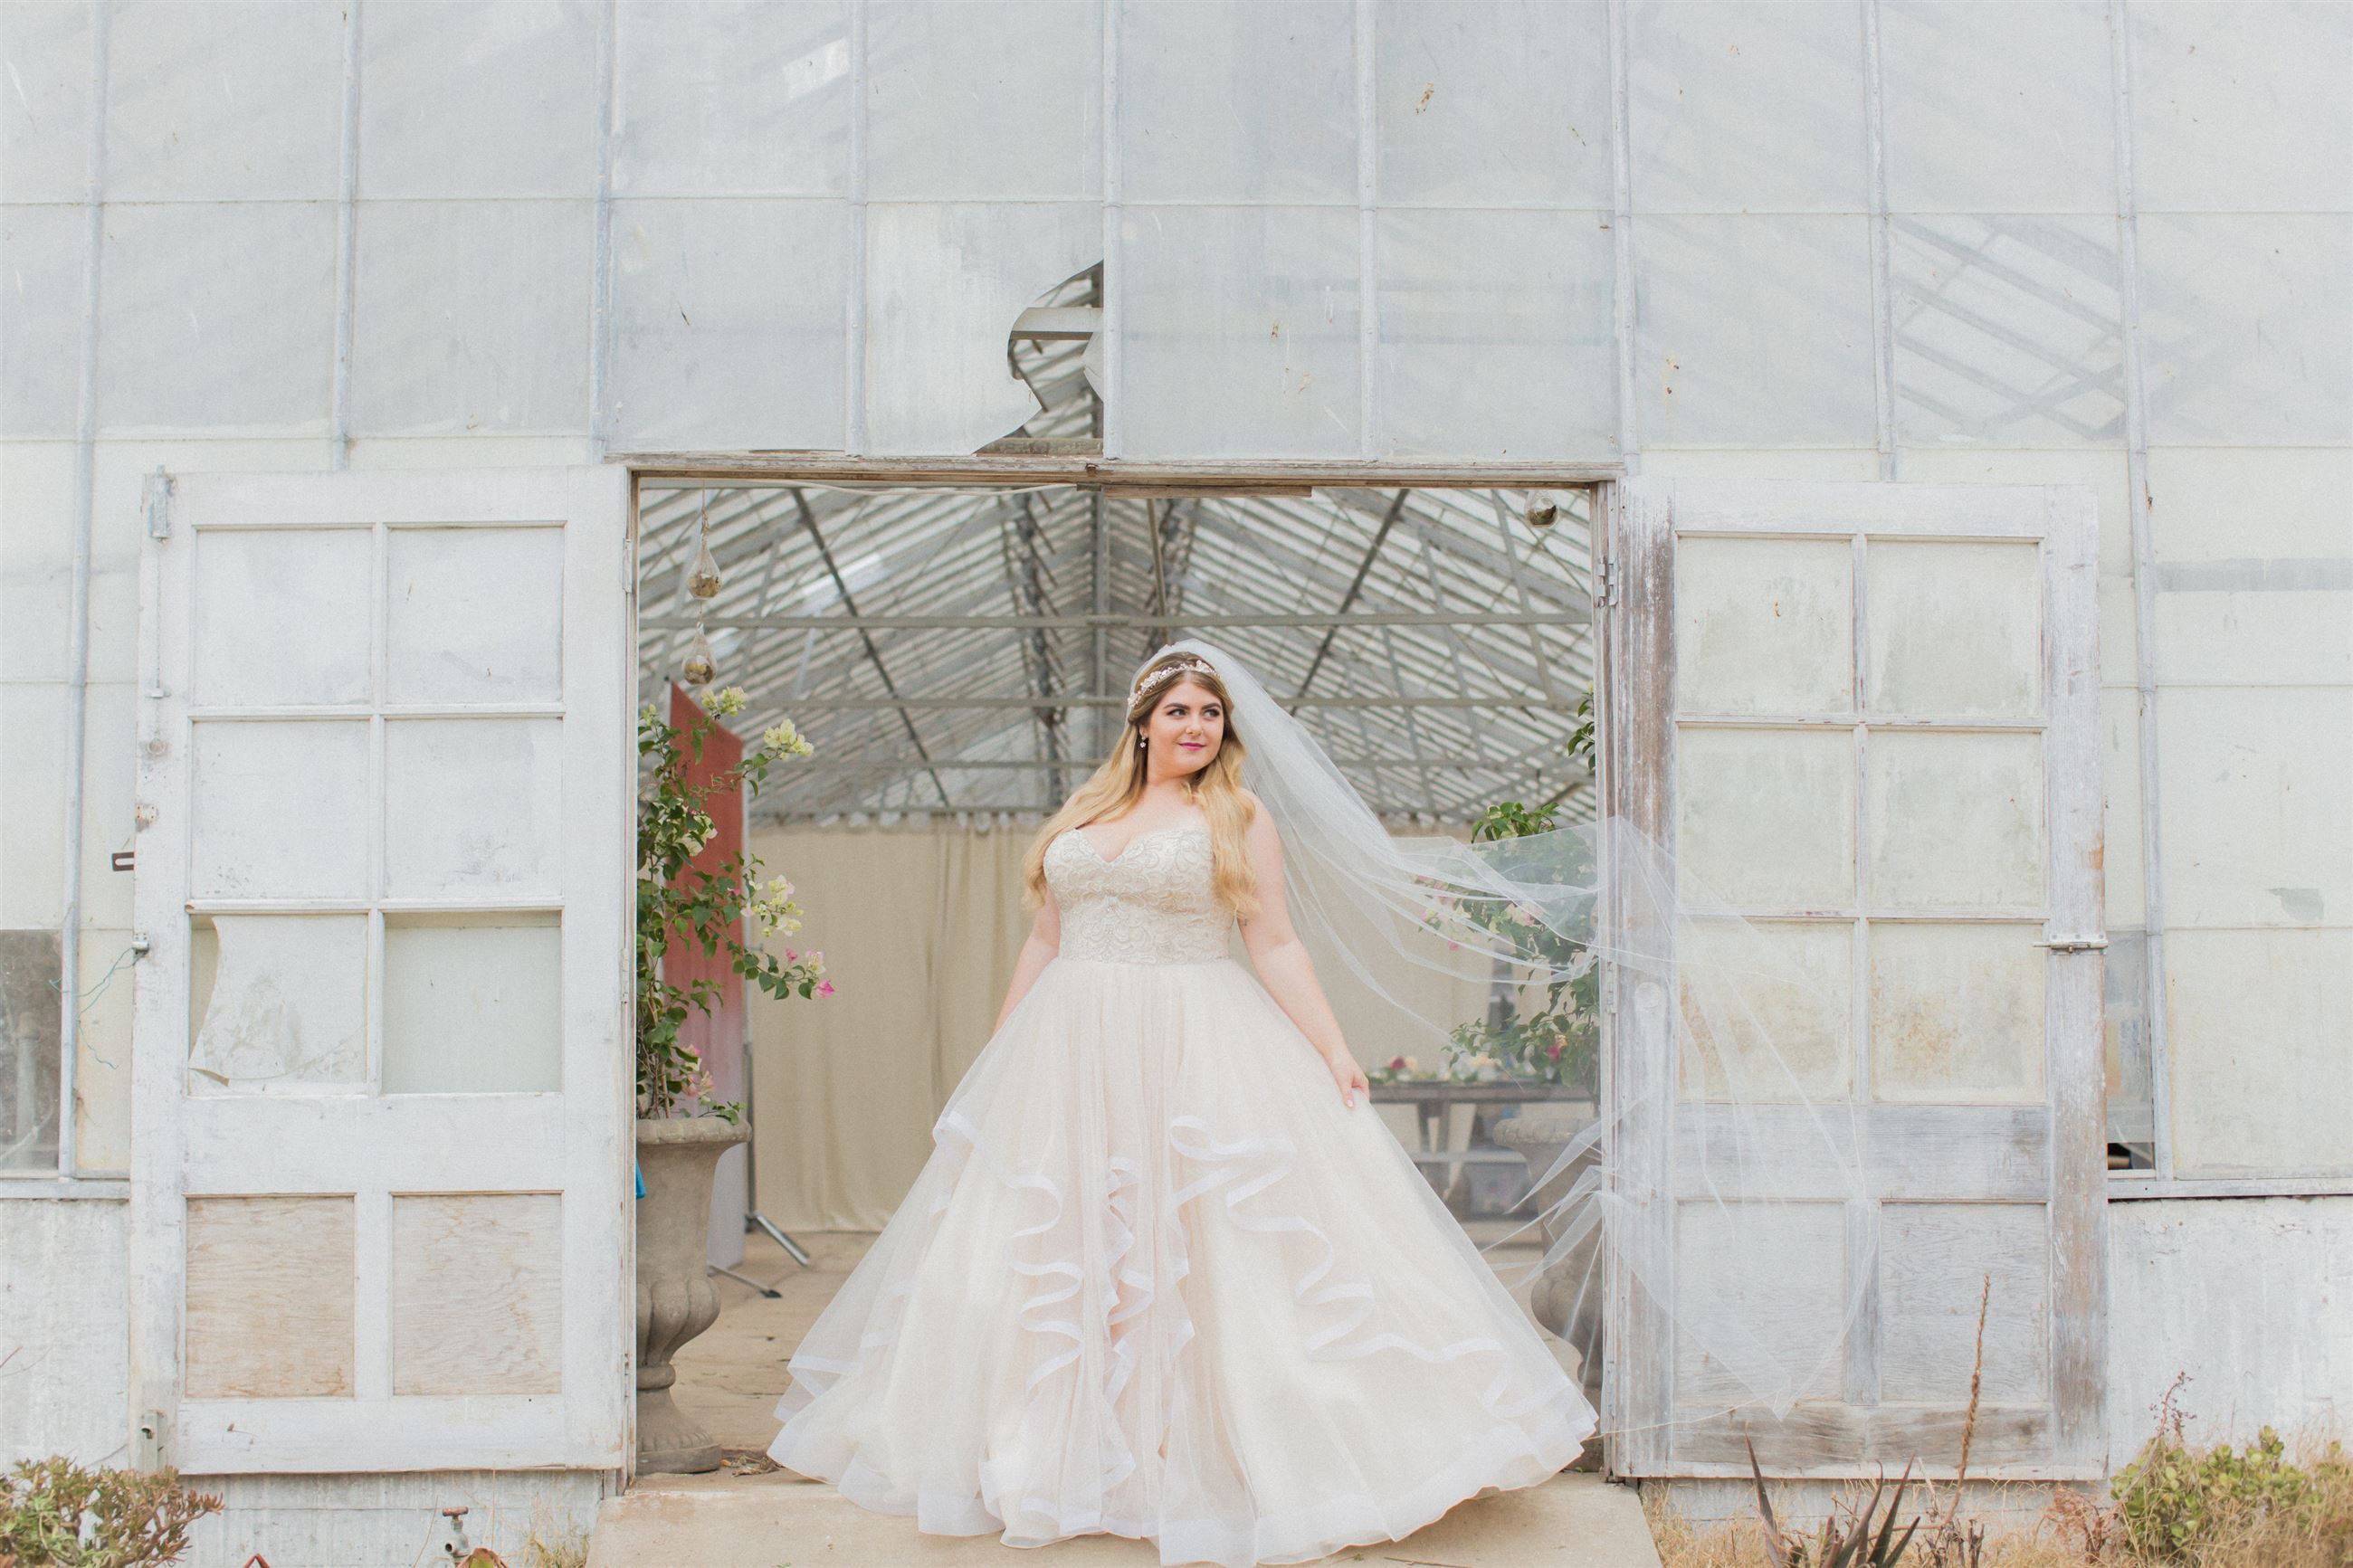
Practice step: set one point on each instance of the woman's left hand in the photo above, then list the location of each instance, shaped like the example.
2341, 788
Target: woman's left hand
1349, 1076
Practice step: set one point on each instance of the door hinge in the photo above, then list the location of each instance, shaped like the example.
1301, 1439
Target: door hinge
1609, 595
2074, 944
157, 498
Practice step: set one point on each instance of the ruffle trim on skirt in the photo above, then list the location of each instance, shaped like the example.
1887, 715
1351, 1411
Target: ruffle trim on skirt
1531, 1437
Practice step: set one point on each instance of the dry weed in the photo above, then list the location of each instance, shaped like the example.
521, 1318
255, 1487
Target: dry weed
553, 1544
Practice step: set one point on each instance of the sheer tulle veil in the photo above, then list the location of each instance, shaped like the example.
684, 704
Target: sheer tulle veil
1665, 1162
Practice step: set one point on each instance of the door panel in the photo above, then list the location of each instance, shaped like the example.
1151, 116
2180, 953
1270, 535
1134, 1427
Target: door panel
1864, 715
382, 1091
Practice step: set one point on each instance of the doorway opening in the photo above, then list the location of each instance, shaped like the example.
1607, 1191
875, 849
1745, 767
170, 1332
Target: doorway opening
957, 656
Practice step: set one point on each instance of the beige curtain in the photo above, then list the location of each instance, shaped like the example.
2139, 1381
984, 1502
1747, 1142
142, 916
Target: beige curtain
920, 927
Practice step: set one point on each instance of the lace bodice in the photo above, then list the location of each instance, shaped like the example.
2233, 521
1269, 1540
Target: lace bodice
1151, 903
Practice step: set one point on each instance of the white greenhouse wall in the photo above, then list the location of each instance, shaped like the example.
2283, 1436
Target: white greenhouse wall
2251, 1298
496, 232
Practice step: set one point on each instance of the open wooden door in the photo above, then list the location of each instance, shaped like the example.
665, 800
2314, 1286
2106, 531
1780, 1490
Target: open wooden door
382, 1093
1865, 715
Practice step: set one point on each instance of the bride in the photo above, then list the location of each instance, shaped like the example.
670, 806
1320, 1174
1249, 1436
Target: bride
1167, 1274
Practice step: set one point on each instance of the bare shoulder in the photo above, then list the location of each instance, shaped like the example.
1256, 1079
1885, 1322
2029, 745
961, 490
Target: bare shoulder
1262, 829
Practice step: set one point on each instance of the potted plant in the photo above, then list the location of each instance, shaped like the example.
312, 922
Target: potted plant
682, 1134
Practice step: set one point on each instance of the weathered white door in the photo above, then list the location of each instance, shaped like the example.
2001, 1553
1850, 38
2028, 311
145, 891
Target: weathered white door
1865, 715
382, 1086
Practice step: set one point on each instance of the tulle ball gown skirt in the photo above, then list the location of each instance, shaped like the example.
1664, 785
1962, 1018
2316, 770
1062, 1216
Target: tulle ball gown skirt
1156, 1280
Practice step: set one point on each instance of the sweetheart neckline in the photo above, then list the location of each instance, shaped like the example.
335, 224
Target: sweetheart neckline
1149, 833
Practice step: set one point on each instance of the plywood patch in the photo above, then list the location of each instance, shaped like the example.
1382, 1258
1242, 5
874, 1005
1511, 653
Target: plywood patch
1935, 1259
269, 1298
1760, 1292
478, 1293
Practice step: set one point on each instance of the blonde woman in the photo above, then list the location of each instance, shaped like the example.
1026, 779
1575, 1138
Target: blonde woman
1167, 1274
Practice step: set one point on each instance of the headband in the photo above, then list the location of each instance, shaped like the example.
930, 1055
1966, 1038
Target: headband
1166, 673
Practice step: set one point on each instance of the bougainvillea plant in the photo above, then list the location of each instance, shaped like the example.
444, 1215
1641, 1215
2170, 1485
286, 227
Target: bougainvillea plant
680, 905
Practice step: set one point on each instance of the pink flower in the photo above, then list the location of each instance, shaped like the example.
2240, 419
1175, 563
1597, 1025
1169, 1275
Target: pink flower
791, 957
824, 988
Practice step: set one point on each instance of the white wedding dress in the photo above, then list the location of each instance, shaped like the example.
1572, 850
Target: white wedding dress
1156, 1279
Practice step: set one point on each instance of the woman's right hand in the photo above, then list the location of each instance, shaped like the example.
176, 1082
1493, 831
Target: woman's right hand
1349, 1076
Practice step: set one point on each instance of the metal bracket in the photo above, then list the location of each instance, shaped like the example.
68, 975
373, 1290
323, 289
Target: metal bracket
2074, 944
157, 498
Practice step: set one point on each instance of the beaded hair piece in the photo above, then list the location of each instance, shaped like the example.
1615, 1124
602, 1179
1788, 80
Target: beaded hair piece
1154, 679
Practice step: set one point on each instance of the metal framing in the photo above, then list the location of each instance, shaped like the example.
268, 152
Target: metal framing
992, 600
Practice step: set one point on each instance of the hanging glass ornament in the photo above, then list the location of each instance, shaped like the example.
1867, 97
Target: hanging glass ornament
701, 664
702, 577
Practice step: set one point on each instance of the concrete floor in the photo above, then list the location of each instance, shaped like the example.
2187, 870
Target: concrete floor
749, 1515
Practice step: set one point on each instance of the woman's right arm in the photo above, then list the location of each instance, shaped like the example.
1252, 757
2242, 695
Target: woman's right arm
1045, 942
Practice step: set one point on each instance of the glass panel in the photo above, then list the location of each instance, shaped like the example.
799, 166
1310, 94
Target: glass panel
280, 810
944, 284
1933, 1261
1494, 102
1975, 105
278, 999
2248, 338
1957, 1011
1955, 820
1283, 77
1766, 817
476, 615
1795, 995
1027, 127
1955, 628
2010, 330
470, 1004
1738, 107
1239, 331
472, 804
1763, 626
714, 345
733, 97
29, 1044
1495, 334
437, 280
1755, 329
479, 98
286, 615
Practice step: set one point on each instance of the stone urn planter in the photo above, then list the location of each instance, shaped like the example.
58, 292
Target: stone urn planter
1568, 1297
676, 1300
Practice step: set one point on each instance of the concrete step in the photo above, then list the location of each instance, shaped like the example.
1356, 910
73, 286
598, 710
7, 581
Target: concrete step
779, 1521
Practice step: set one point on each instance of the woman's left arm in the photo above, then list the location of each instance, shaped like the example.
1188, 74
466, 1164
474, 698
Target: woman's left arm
1284, 966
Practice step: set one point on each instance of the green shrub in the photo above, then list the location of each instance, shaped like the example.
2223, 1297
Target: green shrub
54, 1511
2173, 1503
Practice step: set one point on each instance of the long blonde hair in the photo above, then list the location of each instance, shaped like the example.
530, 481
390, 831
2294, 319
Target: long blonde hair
1118, 784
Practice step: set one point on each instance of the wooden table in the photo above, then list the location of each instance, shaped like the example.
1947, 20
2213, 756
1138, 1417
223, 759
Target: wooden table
1431, 1098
